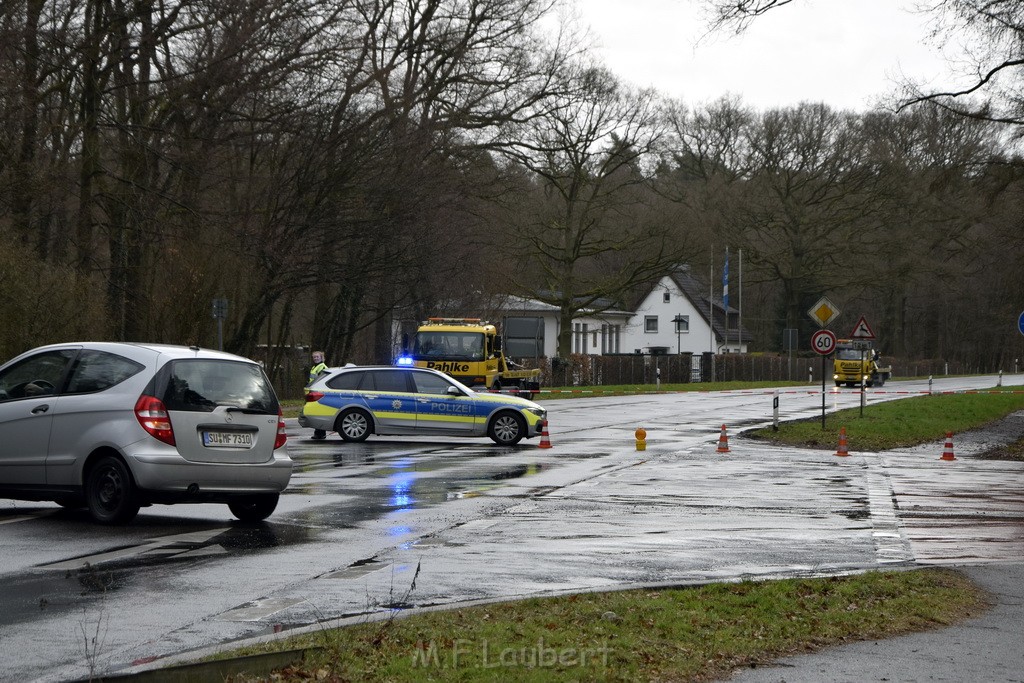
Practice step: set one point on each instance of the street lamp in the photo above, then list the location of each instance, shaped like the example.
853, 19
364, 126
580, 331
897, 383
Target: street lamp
678, 320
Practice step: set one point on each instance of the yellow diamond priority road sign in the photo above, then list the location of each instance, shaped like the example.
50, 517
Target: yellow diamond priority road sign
823, 312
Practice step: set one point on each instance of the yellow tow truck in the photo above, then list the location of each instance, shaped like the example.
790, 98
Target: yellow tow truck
855, 361
470, 350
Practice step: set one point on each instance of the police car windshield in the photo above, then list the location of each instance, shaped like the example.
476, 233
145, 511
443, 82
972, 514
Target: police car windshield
449, 345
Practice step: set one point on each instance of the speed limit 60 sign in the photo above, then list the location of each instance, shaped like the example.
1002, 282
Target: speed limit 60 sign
823, 342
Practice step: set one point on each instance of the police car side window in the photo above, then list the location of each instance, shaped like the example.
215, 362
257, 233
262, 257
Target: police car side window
427, 383
346, 380
389, 380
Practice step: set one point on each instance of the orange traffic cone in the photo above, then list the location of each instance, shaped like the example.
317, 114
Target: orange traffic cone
842, 452
947, 453
723, 442
545, 442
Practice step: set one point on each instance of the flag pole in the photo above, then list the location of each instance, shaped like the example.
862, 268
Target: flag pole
711, 303
725, 296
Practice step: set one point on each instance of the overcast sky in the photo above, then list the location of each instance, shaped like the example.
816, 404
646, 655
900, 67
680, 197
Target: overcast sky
843, 52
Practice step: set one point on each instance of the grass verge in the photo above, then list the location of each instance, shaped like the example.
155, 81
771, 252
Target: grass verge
902, 423
695, 634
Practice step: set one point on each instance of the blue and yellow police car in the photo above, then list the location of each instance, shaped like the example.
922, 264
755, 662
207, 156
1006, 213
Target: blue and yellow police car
356, 401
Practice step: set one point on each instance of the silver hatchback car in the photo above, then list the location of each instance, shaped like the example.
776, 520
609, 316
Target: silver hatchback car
115, 426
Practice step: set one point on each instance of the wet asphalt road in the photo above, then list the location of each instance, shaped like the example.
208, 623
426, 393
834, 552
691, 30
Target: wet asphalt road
475, 521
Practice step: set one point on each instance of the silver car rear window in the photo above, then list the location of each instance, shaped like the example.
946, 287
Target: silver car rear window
203, 384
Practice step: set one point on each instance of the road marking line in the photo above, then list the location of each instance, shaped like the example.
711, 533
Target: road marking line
155, 546
357, 571
258, 610
25, 518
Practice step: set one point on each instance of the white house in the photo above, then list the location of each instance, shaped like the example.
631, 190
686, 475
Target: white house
680, 315
677, 315
530, 328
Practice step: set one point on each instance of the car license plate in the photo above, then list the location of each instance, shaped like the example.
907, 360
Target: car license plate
228, 439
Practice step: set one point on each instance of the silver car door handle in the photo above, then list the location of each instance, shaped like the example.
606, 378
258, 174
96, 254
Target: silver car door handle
39, 410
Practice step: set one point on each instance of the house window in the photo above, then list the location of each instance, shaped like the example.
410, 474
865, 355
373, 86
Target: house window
609, 339
666, 297
579, 337
650, 323
682, 323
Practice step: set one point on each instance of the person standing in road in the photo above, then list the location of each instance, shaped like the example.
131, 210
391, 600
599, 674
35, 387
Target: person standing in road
318, 366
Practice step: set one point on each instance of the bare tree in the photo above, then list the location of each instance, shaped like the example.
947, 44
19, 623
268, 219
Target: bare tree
788, 186
590, 238
992, 38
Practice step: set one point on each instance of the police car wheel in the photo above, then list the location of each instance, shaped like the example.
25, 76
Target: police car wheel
507, 429
354, 425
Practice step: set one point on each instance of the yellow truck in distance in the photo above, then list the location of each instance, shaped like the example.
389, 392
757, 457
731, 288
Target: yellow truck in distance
469, 349
856, 360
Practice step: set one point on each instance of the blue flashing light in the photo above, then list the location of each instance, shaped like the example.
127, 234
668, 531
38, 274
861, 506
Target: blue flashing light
403, 360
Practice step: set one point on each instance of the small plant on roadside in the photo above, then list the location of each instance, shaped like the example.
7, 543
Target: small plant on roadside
94, 634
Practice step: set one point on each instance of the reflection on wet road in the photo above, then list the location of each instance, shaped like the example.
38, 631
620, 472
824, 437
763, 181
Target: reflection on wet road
385, 477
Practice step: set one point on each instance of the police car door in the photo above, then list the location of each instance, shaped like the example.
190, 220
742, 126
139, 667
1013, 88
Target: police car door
391, 400
436, 409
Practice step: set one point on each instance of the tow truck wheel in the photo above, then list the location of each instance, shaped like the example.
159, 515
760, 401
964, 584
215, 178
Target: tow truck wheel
496, 386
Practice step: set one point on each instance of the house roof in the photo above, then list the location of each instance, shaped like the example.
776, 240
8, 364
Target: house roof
698, 293
518, 303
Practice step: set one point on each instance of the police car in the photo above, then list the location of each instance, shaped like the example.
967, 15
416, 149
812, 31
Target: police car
387, 400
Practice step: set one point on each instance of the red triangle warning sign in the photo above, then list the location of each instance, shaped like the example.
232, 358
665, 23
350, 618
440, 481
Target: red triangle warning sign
862, 331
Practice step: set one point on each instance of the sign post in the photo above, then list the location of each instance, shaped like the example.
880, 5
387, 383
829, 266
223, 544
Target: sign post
220, 311
822, 312
823, 342
862, 336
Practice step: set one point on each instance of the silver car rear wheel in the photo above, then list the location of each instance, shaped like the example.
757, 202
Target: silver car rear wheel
254, 508
110, 492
